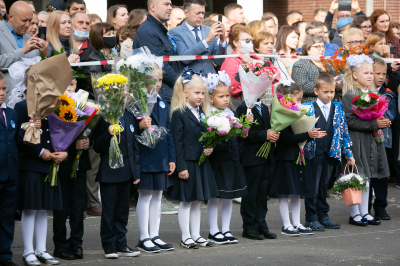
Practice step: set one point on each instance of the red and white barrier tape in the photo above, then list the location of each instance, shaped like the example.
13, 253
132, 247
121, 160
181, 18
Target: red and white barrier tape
203, 57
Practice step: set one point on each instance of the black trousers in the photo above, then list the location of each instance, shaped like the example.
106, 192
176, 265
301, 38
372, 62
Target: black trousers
8, 197
254, 206
114, 216
317, 207
380, 187
394, 163
74, 200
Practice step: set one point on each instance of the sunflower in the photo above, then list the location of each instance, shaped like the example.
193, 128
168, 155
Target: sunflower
68, 114
66, 100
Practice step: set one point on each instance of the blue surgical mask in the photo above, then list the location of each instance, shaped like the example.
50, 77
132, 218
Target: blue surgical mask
80, 35
246, 47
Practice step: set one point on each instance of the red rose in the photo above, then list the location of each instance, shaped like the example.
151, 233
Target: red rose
355, 98
373, 96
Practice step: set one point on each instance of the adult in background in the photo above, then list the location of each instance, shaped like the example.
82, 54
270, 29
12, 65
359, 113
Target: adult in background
192, 38
301, 25
42, 18
153, 34
320, 14
117, 16
15, 43
316, 27
94, 18
241, 42
293, 16
255, 26
177, 15
269, 14
136, 18
271, 26
31, 4
73, 6
234, 13
55, 5
382, 23
363, 23
343, 25
396, 30
33, 27
225, 22
287, 41
3, 8
306, 71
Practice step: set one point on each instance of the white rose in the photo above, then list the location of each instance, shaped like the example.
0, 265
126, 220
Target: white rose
366, 98
120, 64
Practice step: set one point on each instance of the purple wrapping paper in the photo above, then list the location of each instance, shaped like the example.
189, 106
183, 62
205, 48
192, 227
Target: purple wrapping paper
62, 133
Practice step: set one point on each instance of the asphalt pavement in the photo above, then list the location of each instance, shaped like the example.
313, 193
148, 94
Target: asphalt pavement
350, 245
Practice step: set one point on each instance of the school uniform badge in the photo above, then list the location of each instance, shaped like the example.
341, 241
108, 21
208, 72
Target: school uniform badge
162, 104
12, 123
203, 116
132, 128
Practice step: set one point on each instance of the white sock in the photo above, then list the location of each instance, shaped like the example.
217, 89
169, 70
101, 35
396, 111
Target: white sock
284, 210
212, 213
41, 233
295, 205
226, 214
364, 204
195, 219
27, 228
184, 218
155, 215
354, 210
142, 213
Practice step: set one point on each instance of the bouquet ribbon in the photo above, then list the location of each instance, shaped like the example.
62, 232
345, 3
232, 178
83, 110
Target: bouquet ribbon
117, 128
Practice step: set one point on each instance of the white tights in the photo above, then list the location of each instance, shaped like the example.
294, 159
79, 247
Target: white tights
295, 205
148, 211
34, 221
189, 214
362, 208
226, 213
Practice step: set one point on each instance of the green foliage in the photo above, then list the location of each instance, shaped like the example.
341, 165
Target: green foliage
352, 181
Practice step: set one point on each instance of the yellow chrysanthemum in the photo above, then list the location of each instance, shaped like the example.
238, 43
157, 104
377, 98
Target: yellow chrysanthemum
68, 114
66, 100
111, 79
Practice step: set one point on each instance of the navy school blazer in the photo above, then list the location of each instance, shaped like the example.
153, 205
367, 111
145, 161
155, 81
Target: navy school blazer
8, 146
129, 148
257, 136
187, 131
29, 155
288, 148
157, 160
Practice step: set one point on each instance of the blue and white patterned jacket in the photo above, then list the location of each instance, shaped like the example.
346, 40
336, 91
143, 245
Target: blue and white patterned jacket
341, 141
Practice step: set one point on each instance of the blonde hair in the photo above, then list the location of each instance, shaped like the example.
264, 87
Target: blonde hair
53, 24
350, 83
179, 100
351, 32
255, 26
219, 85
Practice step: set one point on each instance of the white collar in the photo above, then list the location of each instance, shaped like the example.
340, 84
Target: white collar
365, 91
191, 108
320, 104
3, 105
225, 112
190, 27
158, 96
258, 103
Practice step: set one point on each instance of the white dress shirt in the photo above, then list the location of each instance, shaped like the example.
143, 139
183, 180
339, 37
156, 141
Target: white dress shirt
322, 107
4, 106
191, 28
195, 111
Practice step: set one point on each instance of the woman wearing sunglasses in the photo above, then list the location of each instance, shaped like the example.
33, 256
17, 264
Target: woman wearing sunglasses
241, 42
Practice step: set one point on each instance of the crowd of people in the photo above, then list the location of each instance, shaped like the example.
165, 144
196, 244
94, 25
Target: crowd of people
186, 94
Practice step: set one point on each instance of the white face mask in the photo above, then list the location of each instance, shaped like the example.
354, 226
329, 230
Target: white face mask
246, 47
80, 35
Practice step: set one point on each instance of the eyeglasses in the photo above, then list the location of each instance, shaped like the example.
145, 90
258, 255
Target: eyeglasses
366, 27
356, 42
247, 40
318, 47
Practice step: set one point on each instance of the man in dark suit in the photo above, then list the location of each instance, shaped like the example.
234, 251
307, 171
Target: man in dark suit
153, 34
258, 171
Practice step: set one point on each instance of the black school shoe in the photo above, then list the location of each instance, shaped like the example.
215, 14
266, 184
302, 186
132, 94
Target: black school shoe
232, 239
7, 263
216, 240
141, 246
290, 231
252, 234
267, 234
64, 254
110, 254
383, 215
363, 221
128, 252
304, 230
315, 226
205, 243
190, 245
329, 224
77, 251
165, 247
375, 221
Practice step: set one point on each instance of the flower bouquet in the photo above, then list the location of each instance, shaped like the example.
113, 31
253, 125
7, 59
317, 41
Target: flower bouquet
89, 127
65, 124
255, 80
112, 96
221, 128
304, 124
368, 106
336, 65
142, 84
285, 111
351, 186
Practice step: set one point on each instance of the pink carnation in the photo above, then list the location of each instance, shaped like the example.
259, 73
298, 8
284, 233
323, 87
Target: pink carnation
209, 129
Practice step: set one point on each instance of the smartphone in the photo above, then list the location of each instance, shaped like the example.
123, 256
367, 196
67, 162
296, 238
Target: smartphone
42, 33
344, 5
393, 49
220, 17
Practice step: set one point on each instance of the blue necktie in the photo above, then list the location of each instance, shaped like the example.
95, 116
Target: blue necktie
326, 112
196, 30
259, 109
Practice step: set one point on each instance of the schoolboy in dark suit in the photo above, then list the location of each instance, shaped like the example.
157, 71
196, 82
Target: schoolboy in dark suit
258, 171
115, 185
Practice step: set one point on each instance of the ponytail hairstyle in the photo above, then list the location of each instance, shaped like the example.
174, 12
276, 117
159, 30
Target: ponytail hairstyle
179, 100
285, 89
